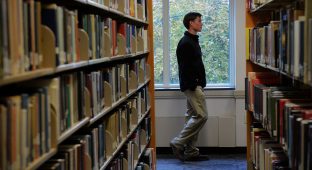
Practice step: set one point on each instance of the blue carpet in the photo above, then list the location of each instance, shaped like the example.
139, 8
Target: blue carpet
216, 162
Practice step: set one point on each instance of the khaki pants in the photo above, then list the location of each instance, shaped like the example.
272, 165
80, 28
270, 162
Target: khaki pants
195, 118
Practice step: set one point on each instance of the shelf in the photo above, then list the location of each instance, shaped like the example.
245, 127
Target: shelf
143, 150
73, 129
124, 141
63, 68
104, 8
115, 11
271, 5
116, 104
266, 66
98, 61
71, 66
119, 57
107, 110
26, 76
38, 162
136, 19
81, 1
97, 5
140, 53
280, 72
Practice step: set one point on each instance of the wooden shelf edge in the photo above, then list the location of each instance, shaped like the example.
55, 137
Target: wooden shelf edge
123, 142
143, 151
73, 129
280, 72
115, 58
100, 115
116, 104
98, 61
106, 110
267, 6
97, 5
119, 57
26, 76
138, 88
115, 11
112, 11
136, 19
71, 66
38, 162
81, 1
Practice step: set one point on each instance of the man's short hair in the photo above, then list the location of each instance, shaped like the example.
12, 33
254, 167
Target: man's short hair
191, 16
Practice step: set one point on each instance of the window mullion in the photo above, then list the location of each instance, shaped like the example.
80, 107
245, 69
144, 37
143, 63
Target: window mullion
166, 58
232, 58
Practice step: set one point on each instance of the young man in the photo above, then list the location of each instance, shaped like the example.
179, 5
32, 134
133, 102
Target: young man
192, 81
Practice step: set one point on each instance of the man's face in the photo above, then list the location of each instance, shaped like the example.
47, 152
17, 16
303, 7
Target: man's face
196, 24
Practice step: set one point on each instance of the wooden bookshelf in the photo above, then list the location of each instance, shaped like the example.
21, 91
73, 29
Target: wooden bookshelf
99, 61
123, 142
73, 129
38, 162
48, 72
26, 76
270, 5
116, 104
264, 14
53, 70
151, 87
72, 66
97, 5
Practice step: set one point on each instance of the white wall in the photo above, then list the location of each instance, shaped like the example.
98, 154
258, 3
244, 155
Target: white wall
226, 125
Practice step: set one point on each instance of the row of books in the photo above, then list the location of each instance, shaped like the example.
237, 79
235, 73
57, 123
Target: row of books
295, 153
283, 114
95, 149
146, 162
280, 43
266, 153
27, 128
108, 37
20, 36
49, 111
48, 35
265, 94
133, 8
93, 91
134, 149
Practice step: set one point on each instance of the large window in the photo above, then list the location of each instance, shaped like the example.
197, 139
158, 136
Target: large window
214, 40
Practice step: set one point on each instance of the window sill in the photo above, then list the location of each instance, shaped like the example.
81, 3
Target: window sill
209, 93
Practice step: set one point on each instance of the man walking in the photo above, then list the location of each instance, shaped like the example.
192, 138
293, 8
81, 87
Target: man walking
192, 79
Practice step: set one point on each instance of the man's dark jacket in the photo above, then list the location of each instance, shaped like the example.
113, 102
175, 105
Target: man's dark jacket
191, 67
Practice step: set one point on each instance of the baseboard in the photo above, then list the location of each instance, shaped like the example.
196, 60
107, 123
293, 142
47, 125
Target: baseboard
208, 150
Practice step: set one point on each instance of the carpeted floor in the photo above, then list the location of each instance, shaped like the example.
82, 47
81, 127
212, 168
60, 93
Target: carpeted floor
216, 162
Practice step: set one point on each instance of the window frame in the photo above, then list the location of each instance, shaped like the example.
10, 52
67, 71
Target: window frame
166, 52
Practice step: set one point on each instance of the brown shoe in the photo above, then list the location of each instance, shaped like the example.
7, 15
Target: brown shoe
177, 151
198, 158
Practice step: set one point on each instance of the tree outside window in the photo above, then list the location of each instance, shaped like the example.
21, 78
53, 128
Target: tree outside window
214, 39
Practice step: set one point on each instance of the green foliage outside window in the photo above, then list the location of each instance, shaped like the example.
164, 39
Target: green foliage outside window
214, 38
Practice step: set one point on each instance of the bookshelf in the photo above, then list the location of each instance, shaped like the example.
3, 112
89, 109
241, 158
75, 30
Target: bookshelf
268, 5
278, 83
76, 82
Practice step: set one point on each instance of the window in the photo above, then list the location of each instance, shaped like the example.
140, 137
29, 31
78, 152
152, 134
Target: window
214, 40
